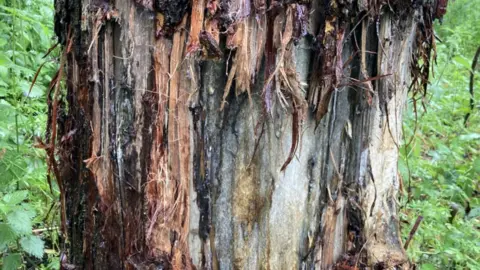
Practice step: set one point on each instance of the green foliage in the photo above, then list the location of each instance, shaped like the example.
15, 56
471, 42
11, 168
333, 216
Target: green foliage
33, 245
20, 221
26, 29
443, 161
12, 261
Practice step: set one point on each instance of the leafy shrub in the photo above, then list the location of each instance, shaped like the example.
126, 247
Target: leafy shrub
27, 205
443, 162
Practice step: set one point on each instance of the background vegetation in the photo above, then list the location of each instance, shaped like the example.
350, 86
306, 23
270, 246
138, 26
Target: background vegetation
440, 163
28, 208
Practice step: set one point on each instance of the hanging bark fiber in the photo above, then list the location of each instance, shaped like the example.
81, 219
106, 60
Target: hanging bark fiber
234, 134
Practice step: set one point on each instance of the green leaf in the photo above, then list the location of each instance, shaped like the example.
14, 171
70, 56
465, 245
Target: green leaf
462, 61
474, 213
12, 164
5, 60
33, 245
29, 210
476, 165
20, 221
12, 261
7, 235
54, 264
36, 90
15, 197
470, 137
428, 266
3, 71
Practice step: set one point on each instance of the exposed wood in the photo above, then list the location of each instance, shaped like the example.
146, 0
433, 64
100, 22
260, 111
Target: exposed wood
163, 167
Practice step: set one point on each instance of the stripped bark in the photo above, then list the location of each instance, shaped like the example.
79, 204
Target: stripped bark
162, 166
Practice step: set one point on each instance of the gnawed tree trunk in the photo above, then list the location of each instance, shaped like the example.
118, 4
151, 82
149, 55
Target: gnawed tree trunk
244, 134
